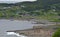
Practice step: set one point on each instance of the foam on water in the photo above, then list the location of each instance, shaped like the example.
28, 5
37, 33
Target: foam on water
17, 34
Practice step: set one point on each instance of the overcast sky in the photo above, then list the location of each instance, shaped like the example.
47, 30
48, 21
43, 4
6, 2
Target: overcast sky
13, 1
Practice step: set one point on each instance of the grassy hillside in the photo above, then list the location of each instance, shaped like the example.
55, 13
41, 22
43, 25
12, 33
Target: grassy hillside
40, 9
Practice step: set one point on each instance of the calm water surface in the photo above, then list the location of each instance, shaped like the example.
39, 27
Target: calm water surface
6, 25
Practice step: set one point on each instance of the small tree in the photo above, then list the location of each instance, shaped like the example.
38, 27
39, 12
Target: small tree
57, 33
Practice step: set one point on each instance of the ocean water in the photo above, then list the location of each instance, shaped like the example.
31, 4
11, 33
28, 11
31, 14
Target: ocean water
6, 25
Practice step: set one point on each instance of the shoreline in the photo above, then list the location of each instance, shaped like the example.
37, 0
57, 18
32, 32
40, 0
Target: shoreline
34, 21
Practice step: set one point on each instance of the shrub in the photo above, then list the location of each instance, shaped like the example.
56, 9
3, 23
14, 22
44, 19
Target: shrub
57, 33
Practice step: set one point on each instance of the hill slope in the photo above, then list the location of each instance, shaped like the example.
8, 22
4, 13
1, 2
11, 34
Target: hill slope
39, 8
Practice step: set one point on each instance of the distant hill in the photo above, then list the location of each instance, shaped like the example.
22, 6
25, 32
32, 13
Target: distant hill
36, 8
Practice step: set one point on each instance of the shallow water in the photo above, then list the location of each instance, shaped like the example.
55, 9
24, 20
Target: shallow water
6, 25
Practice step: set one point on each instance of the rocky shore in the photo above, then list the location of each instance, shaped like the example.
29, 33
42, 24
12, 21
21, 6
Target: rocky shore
38, 31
